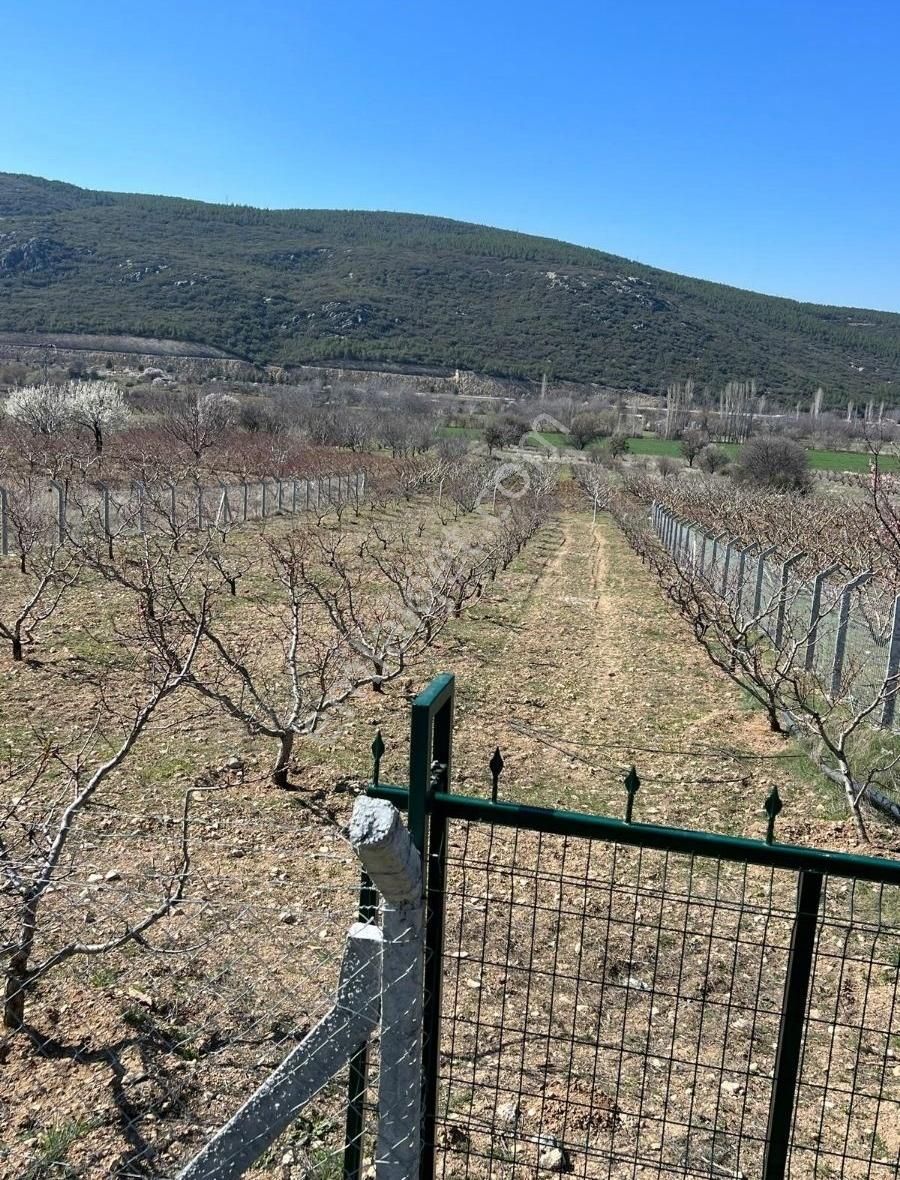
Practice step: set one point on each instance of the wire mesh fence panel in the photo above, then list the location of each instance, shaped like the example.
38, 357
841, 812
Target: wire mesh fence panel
868, 641
613, 1011
607, 1009
768, 602
77, 508
848, 1103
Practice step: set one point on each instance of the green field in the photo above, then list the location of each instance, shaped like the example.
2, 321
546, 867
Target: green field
852, 461
857, 461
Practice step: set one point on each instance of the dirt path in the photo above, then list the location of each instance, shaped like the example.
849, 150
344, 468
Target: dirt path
592, 671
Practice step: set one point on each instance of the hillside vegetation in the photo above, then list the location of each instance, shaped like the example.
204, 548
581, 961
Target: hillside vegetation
316, 285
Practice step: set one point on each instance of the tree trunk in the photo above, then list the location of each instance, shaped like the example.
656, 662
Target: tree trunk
14, 993
282, 762
854, 803
98, 438
17, 648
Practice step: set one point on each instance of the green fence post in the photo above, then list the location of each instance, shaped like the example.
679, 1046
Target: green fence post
430, 754
793, 1026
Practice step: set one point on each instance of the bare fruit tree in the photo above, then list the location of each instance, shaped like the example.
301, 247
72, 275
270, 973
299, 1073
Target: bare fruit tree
768, 646
45, 569
343, 612
54, 793
198, 422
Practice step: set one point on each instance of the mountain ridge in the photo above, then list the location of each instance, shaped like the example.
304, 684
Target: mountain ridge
319, 286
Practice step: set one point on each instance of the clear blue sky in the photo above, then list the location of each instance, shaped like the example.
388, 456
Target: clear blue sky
755, 143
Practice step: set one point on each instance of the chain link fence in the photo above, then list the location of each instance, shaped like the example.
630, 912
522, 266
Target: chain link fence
130, 1059
58, 509
842, 627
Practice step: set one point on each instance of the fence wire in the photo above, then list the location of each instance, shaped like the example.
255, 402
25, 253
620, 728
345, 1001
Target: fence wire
613, 1011
842, 628
56, 510
130, 1060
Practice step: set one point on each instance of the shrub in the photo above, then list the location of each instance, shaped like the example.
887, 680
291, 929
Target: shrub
588, 426
618, 445
777, 463
712, 459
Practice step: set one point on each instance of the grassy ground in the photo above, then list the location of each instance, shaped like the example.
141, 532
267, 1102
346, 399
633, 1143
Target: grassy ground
854, 461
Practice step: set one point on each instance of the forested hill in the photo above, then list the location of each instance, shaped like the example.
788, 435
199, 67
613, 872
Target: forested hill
310, 285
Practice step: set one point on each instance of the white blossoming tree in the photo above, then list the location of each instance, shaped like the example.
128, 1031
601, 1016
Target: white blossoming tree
42, 409
50, 410
98, 406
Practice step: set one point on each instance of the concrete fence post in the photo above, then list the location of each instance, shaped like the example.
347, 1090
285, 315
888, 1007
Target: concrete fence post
199, 505
385, 965
106, 515
701, 564
714, 556
815, 614
743, 554
696, 547
262, 500
690, 545
223, 514
840, 641
726, 564
279, 502
293, 496
392, 861
892, 670
760, 576
783, 579
684, 538
325, 1050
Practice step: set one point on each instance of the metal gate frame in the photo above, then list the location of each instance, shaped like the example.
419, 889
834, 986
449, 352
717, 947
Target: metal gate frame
431, 805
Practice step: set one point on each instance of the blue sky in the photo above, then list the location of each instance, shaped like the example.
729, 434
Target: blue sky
753, 143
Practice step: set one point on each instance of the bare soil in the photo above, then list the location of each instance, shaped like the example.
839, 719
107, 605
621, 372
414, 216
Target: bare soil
571, 663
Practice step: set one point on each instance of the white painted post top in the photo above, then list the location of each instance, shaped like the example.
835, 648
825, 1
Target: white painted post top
381, 841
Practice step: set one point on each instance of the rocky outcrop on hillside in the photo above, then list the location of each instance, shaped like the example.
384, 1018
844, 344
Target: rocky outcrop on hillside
33, 255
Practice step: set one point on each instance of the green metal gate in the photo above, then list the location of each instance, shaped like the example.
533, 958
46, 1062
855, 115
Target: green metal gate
610, 998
